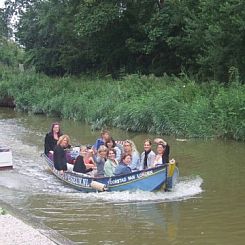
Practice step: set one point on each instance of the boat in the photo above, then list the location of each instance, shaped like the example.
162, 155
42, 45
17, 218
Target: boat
162, 177
6, 159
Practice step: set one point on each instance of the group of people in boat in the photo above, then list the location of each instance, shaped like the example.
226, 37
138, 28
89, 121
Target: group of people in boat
106, 157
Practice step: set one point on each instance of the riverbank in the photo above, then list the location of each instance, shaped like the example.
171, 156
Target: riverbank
17, 229
167, 105
14, 231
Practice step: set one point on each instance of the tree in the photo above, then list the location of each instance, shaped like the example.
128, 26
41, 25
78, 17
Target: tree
4, 30
214, 35
115, 32
204, 38
46, 31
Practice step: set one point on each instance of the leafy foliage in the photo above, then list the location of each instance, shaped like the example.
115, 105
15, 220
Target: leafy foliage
10, 53
166, 105
175, 52
203, 38
3, 25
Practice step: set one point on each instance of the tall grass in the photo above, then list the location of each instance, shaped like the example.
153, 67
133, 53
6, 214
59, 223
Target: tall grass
166, 105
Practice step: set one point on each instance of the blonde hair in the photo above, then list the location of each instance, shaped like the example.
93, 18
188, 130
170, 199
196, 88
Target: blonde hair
83, 148
132, 144
102, 148
61, 138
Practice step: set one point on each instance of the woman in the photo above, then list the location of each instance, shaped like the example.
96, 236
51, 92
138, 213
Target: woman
100, 160
88, 158
60, 161
110, 143
123, 167
130, 148
105, 135
51, 138
162, 156
79, 165
148, 156
111, 163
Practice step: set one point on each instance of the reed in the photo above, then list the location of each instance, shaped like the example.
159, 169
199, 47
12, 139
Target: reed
165, 105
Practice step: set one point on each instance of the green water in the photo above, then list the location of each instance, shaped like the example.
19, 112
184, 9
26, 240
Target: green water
207, 206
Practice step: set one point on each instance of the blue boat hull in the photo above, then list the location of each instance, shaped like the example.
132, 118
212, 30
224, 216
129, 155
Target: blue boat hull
145, 180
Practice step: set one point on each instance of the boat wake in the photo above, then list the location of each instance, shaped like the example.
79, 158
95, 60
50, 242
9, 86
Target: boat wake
29, 176
186, 188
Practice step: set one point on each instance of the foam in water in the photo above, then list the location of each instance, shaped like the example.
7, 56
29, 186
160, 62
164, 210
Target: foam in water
29, 175
184, 189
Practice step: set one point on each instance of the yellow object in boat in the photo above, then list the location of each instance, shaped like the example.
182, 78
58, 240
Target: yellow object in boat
171, 167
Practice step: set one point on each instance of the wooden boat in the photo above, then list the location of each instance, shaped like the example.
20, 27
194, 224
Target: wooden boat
6, 159
161, 177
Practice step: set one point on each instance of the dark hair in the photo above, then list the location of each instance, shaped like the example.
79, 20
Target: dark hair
148, 140
52, 128
88, 146
165, 156
166, 152
109, 140
111, 150
125, 155
104, 131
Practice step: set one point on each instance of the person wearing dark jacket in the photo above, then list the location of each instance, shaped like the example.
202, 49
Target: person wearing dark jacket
60, 161
51, 138
79, 165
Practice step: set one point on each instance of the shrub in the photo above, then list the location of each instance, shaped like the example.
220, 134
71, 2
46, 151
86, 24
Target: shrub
166, 105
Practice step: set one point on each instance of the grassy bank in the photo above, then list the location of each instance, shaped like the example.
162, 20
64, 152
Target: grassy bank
166, 105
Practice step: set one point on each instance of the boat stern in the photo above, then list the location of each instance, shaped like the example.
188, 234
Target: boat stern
172, 175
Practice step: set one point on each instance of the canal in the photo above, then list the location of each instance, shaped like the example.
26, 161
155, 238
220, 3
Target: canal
205, 207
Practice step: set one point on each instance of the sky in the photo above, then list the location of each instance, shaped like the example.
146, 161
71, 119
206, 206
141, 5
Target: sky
2, 3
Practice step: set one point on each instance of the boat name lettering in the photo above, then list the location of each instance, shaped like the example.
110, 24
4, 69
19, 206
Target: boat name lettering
77, 180
131, 177
144, 174
118, 181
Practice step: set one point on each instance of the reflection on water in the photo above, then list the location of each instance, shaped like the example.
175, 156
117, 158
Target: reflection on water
206, 206
87, 221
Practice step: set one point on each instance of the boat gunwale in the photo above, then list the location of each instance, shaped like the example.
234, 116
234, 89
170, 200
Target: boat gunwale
157, 170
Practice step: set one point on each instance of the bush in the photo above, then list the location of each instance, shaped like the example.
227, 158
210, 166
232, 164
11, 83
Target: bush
166, 105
